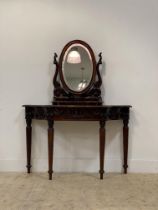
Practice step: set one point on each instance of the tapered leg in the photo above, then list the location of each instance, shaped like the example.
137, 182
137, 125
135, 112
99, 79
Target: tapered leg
102, 147
28, 143
125, 144
50, 147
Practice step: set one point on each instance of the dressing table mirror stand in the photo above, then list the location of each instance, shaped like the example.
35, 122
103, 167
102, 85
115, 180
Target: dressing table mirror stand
77, 97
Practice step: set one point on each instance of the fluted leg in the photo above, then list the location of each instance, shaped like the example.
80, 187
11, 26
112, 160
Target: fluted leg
102, 147
125, 144
50, 147
28, 143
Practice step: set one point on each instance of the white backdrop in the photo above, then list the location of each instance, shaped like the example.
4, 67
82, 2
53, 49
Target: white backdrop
126, 32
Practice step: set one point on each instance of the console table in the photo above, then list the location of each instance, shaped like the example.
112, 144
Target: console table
53, 113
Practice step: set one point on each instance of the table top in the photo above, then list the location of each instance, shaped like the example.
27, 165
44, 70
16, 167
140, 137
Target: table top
77, 106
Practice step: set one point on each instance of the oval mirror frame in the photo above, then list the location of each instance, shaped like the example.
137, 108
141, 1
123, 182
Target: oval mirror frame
90, 51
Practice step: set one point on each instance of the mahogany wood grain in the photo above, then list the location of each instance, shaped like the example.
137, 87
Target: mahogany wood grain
28, 143
50, 147
52, 113
102, 147
125, 144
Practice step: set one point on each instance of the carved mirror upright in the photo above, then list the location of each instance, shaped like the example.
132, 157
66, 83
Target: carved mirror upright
77, 78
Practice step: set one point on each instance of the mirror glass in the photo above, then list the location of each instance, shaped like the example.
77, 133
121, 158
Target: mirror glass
77, 67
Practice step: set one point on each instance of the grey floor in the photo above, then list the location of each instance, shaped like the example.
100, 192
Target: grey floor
78, 191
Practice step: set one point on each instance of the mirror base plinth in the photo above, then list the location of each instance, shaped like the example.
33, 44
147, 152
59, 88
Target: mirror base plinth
68, 101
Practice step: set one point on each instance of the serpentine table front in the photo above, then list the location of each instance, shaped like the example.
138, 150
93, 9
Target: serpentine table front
100, 113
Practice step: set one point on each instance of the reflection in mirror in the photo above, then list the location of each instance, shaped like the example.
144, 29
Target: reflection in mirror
77, 67
74, 56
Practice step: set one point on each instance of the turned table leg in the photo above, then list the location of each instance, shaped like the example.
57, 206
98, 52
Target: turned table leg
102, 147
125, 144
50, 147
28, 143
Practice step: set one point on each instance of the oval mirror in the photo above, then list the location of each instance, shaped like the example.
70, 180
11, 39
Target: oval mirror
78, 66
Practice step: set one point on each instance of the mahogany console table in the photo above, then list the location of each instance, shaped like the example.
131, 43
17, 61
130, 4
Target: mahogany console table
53, 113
